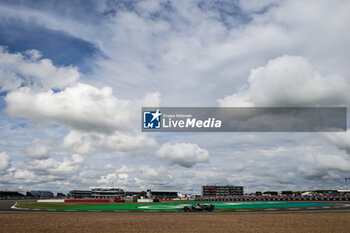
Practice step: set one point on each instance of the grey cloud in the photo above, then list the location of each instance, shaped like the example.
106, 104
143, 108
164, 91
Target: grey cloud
5, 161
38, 150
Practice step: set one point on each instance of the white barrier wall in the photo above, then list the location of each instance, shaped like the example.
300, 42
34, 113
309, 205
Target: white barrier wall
145, 200
52, 200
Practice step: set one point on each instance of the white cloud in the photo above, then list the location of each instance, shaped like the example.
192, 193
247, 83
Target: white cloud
340, 139
125, 169
149, 6
53, 167
324, 166
28, 176
43, 172
183, 154
27, 68
82, 107
77, 105
8, 81
99, 120
120, 180
108, 179
123, 176
158, 176
256, 5
5, 161
290, 81
109, 166
152, 172
88, 143
239, 166
38, 150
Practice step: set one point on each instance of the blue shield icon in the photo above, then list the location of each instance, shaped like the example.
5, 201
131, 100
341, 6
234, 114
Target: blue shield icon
152, 119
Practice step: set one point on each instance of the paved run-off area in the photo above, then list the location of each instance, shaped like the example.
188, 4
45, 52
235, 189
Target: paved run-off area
97, 222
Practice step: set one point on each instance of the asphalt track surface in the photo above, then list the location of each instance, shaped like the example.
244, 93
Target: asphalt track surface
6, 206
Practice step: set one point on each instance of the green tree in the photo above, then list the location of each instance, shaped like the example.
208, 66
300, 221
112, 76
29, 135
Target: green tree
143, 194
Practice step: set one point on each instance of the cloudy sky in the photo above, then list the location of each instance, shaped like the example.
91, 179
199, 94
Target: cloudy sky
74, 75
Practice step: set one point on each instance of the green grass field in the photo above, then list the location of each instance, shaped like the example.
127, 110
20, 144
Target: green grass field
166, 206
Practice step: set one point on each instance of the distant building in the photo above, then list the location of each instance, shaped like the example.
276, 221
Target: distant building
40, 194
98, 193
160, 194
221, 191
132, 193
10, 195
107, 192
79, 194
270, 193
61, 195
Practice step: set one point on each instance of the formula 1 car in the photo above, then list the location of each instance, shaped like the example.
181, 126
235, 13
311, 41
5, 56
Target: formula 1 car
199, 207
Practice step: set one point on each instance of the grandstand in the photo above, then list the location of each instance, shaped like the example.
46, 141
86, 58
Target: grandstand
79, 194
10, 195
163, 194
98, 193
221, 191
40, 194
107, 192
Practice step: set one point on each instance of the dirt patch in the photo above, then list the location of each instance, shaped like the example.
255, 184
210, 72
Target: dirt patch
76, 222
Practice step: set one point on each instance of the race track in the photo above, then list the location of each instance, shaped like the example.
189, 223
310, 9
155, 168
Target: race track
6, 206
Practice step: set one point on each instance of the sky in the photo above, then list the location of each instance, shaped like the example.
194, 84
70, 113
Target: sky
75, 74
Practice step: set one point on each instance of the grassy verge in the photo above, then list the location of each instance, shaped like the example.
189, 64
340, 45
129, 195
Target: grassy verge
163, 206
33, 204
45, 205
